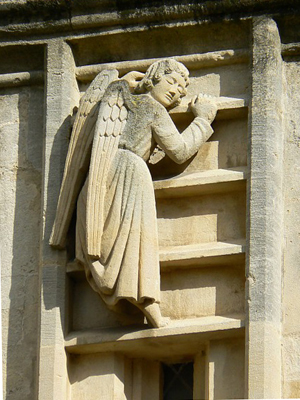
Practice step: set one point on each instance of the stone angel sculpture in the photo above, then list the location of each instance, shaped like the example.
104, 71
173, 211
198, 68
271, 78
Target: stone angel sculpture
106, 178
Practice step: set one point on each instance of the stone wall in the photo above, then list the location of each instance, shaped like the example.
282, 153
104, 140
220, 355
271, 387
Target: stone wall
22, 120
227, 219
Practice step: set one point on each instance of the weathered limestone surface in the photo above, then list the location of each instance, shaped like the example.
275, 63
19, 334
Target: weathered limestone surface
230, 211
47, 17
225, 369
266, 214
59, 101
99, 376
21, 166
291, 326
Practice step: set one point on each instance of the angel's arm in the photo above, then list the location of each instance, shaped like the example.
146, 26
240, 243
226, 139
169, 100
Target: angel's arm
133, 78
180, 147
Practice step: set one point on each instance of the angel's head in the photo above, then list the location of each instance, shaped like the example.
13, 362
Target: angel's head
165, 81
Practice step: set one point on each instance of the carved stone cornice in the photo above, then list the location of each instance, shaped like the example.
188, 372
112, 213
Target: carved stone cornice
30, 17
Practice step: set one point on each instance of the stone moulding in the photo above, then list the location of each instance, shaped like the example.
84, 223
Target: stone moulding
44, 17
291, 49
191, 61
21, 78
87, 73
188, 333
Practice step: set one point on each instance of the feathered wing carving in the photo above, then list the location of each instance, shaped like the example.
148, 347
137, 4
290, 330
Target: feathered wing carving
78, 157
112, 118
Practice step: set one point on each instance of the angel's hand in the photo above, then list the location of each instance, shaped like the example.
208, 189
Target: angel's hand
204, 106
133, 78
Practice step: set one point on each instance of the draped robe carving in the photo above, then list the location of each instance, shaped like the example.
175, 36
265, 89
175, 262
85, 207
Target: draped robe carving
116, 228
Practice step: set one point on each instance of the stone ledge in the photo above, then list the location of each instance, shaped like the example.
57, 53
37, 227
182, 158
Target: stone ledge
202, 255
141, 341
203, 182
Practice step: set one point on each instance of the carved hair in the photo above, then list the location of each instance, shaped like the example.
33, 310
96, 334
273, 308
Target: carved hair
155, 72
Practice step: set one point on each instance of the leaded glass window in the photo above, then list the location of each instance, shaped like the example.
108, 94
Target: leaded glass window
178, 381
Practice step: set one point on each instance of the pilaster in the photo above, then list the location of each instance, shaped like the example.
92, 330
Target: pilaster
265, 224
60, 97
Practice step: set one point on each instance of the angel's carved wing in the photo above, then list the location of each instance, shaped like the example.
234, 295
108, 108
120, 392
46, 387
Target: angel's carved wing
112, 118
78, 157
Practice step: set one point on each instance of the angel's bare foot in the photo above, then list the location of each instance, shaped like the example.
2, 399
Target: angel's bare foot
154, 317
152, 314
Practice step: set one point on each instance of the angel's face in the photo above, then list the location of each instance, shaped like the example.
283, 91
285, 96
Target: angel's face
169, 89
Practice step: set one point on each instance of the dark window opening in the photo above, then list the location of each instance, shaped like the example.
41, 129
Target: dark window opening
178, 381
